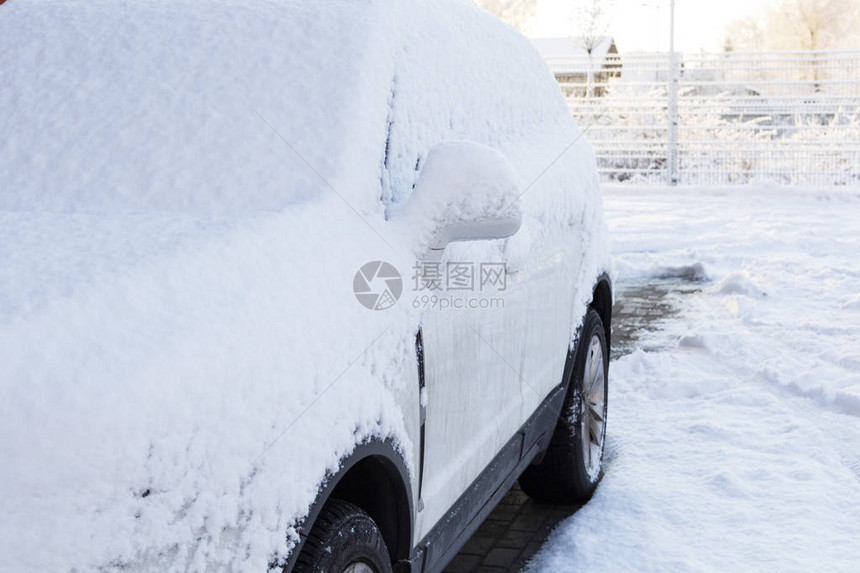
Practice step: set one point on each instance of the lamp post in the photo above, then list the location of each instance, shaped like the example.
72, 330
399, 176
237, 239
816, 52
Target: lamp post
673, 79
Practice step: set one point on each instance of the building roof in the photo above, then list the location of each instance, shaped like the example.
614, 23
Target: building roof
568, 54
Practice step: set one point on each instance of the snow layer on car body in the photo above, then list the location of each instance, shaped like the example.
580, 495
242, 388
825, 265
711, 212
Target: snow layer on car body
176, 258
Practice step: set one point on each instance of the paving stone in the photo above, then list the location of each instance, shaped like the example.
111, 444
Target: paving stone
464, 563
533, 547
515, 539
501, 557
493, 527
507, 512
530, 550
479, 544
529, 521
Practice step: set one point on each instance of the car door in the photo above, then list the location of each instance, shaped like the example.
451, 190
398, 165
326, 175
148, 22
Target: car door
486, 368
497, 313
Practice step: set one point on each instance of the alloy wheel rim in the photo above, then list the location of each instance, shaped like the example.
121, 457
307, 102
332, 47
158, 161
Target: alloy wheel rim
593, 409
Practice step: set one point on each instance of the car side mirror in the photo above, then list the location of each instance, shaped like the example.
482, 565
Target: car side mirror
465, 192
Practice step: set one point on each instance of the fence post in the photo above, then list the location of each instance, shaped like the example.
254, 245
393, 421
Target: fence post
674, 79
674, 73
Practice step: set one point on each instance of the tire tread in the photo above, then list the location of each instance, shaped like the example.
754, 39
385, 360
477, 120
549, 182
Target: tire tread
336, 515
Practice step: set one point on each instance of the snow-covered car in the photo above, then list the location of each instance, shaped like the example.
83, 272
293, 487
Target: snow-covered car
290, 285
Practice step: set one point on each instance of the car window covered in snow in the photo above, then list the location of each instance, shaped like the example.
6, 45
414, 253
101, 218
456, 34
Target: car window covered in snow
181, 106
489, 88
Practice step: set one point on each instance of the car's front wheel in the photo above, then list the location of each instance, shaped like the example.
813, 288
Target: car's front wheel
572, 464
344, 539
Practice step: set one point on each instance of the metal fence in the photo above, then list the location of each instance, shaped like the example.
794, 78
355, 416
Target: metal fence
720, 119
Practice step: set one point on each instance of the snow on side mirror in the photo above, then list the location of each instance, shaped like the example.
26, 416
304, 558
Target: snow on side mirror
465, 192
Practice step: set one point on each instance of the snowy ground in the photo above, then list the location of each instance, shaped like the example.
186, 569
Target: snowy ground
734, 427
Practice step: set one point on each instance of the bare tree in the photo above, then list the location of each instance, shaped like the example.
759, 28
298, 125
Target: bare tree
515, 12
798, 25
590, 22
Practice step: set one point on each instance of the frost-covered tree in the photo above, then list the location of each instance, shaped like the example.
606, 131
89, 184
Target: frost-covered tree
514, 12
798, 25
811, 24
590, 22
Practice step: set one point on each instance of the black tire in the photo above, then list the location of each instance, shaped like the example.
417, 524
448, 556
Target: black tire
343, 535
563, 474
